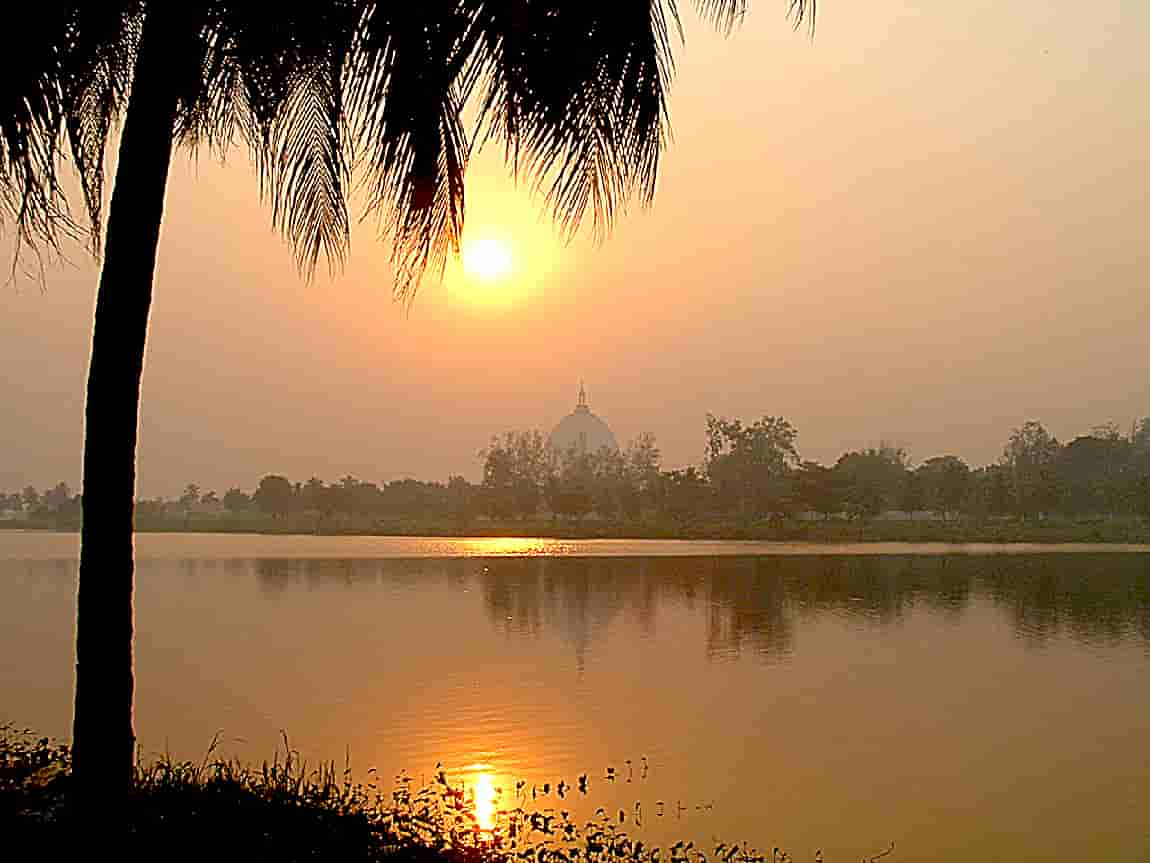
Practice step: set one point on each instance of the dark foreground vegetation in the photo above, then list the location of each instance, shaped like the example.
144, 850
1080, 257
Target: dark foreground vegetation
282, 811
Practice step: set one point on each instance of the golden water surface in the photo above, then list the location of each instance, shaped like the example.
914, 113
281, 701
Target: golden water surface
962, 703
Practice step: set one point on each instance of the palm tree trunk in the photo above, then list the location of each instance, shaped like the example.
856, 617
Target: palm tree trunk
102, 735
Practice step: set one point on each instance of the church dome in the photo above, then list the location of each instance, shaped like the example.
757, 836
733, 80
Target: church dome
582, 430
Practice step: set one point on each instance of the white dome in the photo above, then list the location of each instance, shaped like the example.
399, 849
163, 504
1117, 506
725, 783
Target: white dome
582, 431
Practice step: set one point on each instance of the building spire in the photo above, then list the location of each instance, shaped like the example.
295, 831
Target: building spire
582, 395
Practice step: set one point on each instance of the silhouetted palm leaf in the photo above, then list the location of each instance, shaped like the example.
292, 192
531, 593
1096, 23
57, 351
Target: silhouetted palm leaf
574, 91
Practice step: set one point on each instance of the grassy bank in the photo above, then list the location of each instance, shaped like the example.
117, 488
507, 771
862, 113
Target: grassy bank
223, 811
833, 531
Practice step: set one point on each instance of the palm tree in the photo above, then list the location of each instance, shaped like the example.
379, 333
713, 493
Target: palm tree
320, 92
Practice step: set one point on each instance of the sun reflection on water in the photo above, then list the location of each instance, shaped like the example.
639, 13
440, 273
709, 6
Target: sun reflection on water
514, 546
484, 794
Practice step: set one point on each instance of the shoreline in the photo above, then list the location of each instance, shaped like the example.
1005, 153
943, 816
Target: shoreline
1132, 535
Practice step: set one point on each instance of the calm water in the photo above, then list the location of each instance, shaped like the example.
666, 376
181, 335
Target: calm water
964, 705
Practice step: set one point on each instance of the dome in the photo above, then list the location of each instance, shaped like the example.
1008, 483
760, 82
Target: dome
582, 430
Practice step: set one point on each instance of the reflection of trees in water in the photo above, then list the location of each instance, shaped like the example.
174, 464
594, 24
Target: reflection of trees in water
277, 575
578, 597
1095, 600
755, 603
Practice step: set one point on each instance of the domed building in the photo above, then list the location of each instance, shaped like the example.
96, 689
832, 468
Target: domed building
582, 430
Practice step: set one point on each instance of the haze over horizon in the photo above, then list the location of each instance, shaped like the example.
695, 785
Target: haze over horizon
926, 226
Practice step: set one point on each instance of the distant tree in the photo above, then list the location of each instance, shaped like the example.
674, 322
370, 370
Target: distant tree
999, 490
616, 484
57, 499
1140, 497
683, 494
366, 499
498, 487
70, 510
1140, 436
866, 499
316, 497
912, 496
872, 478
572, 493
516, 471
31, 498
411, 498
236, 500
1031, 455
191, 496
1095, 473
209, 498
818, 488
643, 461
152, 508
748, 466
275, 495
946, 481
462, 500
954, 484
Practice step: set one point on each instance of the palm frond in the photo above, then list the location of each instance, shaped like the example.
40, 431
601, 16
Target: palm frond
575, 90
31, 117
279, 82
407, 68
307, 167
724, 15
803, 10
104, 42
65, 77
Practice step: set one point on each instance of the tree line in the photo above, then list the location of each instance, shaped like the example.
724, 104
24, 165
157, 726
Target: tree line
751, 471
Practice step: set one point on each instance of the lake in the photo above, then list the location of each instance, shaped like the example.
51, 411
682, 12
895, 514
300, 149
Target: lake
963, 702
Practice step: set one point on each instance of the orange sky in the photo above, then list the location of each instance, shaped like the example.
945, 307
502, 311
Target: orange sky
927, 226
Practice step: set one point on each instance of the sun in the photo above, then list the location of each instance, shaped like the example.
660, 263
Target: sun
487, 259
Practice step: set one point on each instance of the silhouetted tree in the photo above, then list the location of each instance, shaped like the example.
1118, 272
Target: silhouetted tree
575, 91
275, 495
411, 498
683, 494
236, 501
1140, 437
1031, 455
461, 500
912, 496
872, 478
819, 488
946, 480
516, 470
1140, 497
57, 498
1095, 474
748, 465
191, 496
643, 459
572, 491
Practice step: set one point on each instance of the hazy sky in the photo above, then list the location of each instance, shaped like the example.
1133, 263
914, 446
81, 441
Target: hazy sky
926, 226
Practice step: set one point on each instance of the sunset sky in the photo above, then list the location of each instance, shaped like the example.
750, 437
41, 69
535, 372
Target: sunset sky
927, 225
